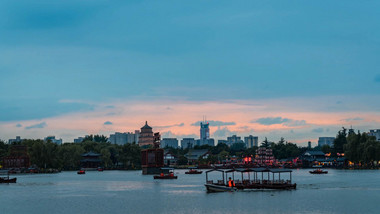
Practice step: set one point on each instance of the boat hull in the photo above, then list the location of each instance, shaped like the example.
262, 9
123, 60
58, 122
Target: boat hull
323, 172
197, 172
8, 180
219, 188
164, 177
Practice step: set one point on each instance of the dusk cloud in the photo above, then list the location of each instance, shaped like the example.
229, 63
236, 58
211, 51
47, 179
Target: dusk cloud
223, 133
107, 123
353, 119
279, 120
169, 126
37, 126
215, 123
318, 130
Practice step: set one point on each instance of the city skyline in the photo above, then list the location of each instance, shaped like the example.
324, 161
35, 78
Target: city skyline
296, 70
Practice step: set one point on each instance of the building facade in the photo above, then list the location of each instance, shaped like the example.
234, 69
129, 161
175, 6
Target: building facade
124, 138
326, 141
188, 143
251, 141
375, 133
17, 140
169, 142
53, 140
209, 141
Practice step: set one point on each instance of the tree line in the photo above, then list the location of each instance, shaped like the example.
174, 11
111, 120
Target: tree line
68, 155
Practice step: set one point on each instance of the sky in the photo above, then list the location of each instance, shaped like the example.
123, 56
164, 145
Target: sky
293, 69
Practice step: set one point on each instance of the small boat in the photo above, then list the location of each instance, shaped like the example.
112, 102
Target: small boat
166, 173
193, 170
81, 172
318, 171
219, 188
6, 179
100, 169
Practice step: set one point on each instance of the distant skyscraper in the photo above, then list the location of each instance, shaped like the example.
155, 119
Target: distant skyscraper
326, 141
187, 143
53, 140
205, 131
251, 141
17, 140
169, 142
234, 139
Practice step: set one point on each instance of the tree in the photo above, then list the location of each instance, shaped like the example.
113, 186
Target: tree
265, 143
340, 141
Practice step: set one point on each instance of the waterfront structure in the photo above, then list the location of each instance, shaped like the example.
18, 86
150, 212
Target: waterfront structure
146, 135
53, 140
251, 141
90, 160
194, 155
169, 142
18, 158
205, 131
17, 140
188, 143
169, 158
264, 156
375, 133
124, 138
326, 141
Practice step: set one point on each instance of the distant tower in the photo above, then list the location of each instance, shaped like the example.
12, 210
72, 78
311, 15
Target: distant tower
205, 131
146, 135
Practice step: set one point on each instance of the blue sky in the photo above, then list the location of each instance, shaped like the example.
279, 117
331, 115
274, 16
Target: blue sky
91, 52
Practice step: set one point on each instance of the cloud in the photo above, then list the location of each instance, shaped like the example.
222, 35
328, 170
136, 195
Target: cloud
37, 126
215, 123
107, 123
279, 120
223, 133
18, 125
318, 130
353, 119
169, 126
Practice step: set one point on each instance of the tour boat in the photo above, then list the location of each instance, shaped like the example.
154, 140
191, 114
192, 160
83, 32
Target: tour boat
100, 169
193, 170
167, 173
7, 179
318, 171
270, 179
81, 172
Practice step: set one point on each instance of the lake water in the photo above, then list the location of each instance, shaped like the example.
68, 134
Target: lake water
339, 191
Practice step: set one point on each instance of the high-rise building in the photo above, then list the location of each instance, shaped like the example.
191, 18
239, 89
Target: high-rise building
169, 142
251, 141
234, 139
53, 140
375, 133
202, 142
326, 141
146, 135
187, 143
124, 138
17, 140
205, 131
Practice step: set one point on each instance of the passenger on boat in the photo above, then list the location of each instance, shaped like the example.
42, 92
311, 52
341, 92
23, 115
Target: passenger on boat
162, 174
171, 174
231, 183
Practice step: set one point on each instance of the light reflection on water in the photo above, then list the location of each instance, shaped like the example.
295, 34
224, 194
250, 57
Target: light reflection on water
130, 192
